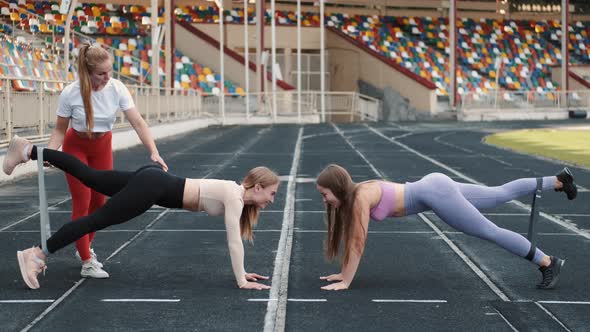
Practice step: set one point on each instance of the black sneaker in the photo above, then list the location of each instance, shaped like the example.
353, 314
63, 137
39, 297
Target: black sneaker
551, 273
567, 178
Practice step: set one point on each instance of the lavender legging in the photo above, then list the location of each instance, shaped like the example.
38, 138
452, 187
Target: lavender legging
457, 205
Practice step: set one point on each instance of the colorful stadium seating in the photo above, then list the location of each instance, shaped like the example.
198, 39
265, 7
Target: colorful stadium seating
524, 49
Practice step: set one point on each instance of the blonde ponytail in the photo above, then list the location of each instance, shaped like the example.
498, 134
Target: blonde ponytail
89, 56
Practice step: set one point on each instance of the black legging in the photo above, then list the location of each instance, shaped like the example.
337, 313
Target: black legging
132, 193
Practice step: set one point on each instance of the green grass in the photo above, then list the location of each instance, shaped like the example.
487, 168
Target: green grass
572, 146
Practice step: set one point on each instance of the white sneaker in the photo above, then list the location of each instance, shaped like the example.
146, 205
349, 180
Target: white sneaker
92, 255
92, 270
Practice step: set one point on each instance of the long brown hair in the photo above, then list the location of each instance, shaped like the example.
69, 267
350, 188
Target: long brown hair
341, 228
249, 218
89, 56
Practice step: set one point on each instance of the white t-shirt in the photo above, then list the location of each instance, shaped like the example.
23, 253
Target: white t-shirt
113, 97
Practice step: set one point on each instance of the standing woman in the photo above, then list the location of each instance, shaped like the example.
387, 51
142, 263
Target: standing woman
89, 108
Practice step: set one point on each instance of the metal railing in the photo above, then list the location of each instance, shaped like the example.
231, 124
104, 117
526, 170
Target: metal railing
340, 106
525, 100
33, 114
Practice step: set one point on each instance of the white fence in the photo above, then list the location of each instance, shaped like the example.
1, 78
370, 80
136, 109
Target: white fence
33, 114
509, 105
339, 106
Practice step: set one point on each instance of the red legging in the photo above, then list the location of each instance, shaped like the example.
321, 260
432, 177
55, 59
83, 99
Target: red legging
98, 154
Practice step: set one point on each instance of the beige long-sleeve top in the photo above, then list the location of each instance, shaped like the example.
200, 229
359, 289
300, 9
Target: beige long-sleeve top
217, 197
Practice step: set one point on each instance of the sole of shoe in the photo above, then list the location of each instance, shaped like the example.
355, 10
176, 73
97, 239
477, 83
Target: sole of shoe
23, 270
94, 276
8, 169
5, 166
555, 280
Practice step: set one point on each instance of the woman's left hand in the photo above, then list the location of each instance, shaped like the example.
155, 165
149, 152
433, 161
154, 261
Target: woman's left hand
336, 286
157, 159
255, 277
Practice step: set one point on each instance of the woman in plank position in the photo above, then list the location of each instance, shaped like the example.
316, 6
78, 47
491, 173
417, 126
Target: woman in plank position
133, 193
350, 205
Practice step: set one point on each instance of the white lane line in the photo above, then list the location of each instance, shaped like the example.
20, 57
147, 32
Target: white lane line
568, 225
290, 300
306, 180
407, 301
370, 232
53, 305
128, 242
565, 302
552, 316
402, 136
499, 160
330, 134
27, 301
573, 215
450, 243
379, 174
467, 260
298, 211
494, 214
79, 282
141, 300
437, 139
276, 311
31, 216
506, 320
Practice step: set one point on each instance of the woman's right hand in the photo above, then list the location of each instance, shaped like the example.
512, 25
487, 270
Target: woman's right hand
333, 277
254, 285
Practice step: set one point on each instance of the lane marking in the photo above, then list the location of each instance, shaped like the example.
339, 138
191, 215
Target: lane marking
276, 311
467, 260
289, 300
548, 312
494, 214
506, 320
407, 301
560, 302
27, 301
31, 216
53, 305
142, 300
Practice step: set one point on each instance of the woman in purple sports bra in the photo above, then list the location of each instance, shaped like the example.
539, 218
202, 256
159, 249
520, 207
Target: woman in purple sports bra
350, 205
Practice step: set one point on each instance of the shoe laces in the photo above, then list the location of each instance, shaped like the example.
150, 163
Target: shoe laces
39, 264
547, 275
93, 264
